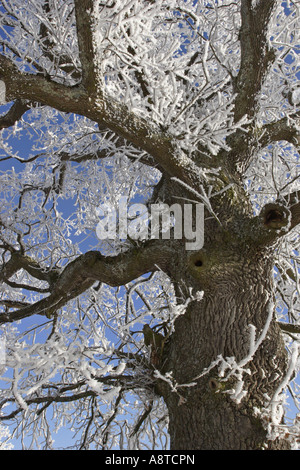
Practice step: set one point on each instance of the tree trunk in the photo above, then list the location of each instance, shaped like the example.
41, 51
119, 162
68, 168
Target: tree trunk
237, 285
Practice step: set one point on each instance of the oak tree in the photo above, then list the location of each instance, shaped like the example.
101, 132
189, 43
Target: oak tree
144, 343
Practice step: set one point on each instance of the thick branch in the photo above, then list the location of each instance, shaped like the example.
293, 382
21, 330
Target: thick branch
107, 112
285, 129
14, 114
293, 202
255, 55
84, 23
37, 88
80, 274
289, 327
295, 210
142, 418
19, 261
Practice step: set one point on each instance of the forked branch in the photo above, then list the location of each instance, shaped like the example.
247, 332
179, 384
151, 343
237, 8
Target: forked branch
106, 111
80, 274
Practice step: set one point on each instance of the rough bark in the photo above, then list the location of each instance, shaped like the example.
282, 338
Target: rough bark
234, 269
237, 294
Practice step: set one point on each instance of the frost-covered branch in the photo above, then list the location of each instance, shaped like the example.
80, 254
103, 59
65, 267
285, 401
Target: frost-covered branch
66, 394
80, 274
153, 101
106, 111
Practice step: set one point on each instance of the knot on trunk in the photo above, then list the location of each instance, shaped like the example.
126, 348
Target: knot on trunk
275, 216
